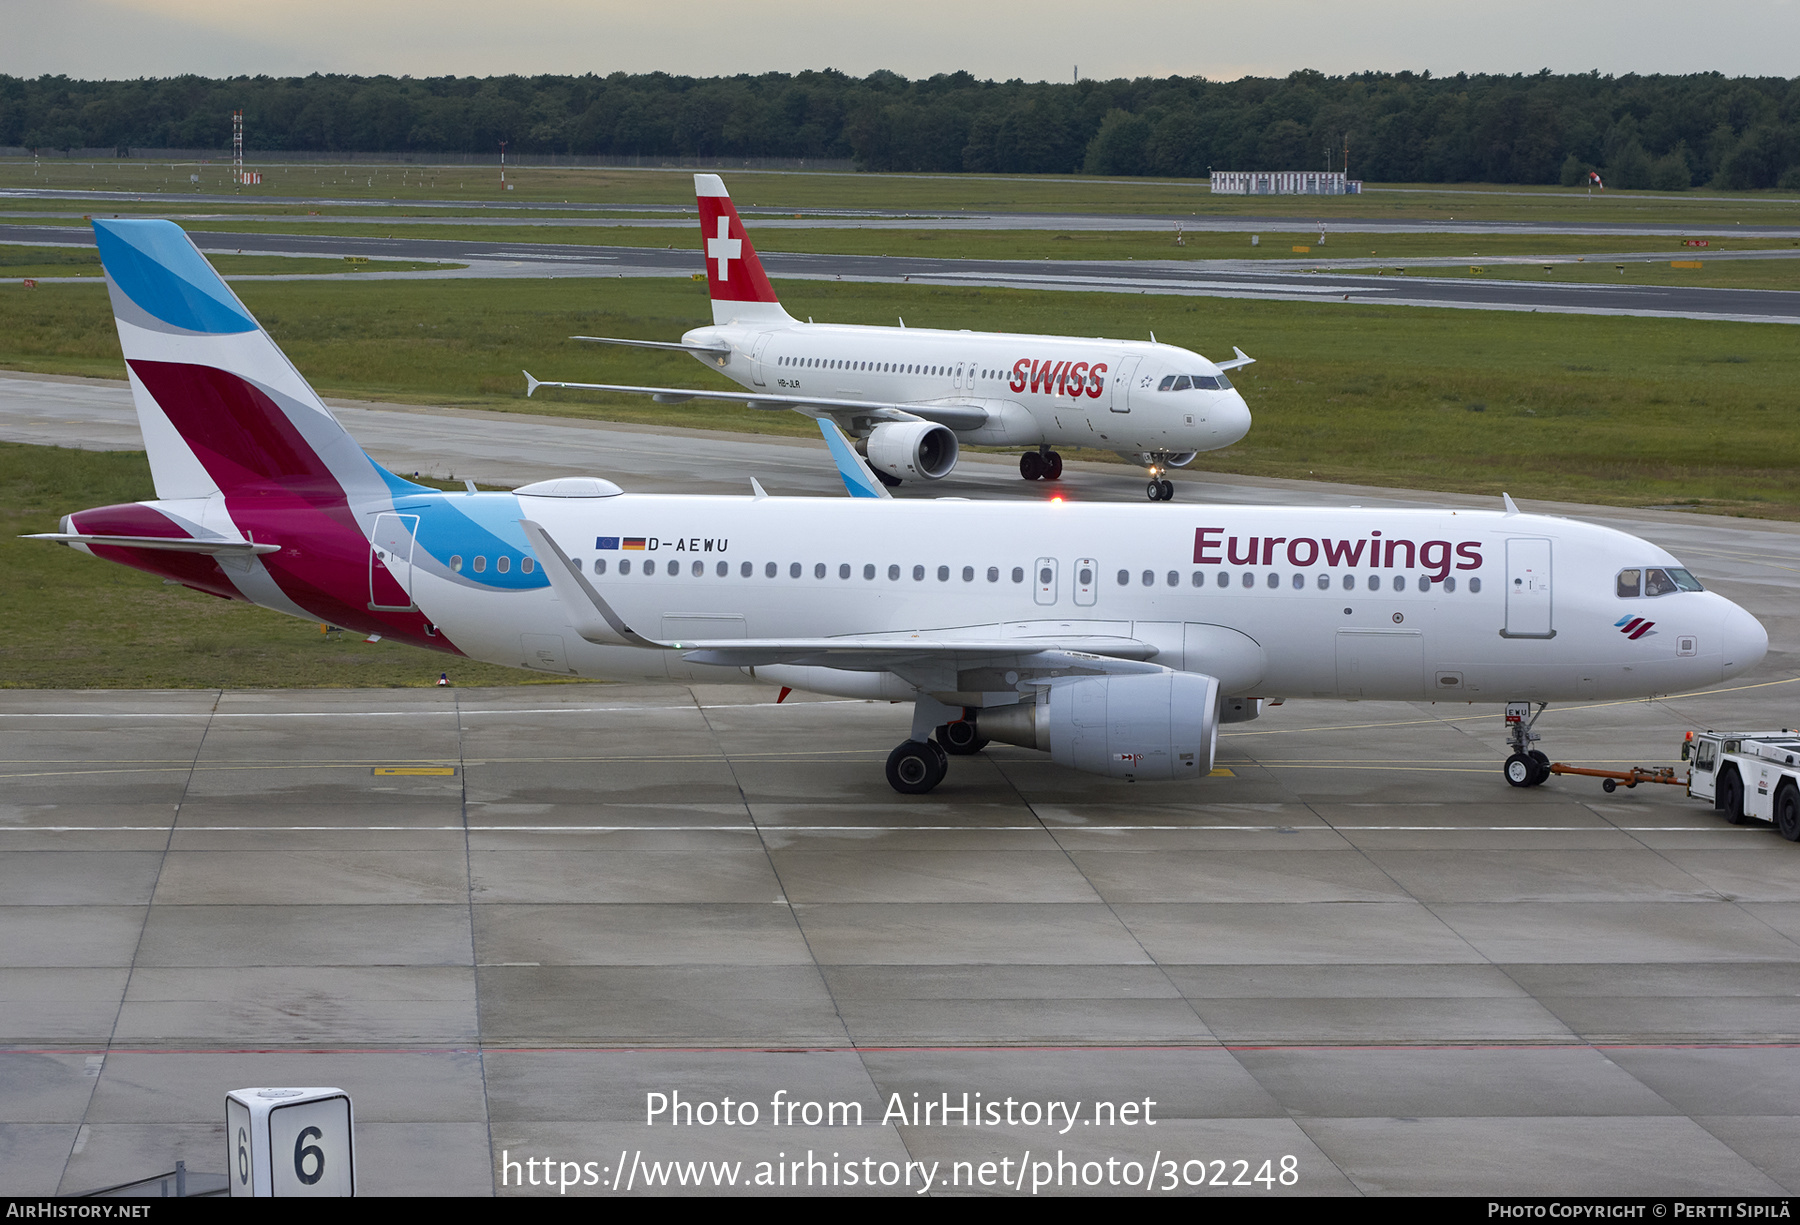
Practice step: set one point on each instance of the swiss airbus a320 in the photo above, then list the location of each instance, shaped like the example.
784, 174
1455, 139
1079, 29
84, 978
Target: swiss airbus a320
910, 395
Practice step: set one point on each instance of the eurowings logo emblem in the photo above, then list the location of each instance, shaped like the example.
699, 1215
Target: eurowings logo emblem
1635, 627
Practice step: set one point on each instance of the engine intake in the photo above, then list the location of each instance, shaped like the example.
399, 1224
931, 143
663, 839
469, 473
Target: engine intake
921, 449
1157, 726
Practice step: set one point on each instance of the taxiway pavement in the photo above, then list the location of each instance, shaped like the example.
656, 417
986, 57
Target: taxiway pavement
1221, 278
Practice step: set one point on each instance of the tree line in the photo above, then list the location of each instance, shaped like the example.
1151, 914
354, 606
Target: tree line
1660, 132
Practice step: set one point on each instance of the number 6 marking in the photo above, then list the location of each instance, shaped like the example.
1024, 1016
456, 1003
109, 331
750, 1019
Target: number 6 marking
243, 1155
311, 1150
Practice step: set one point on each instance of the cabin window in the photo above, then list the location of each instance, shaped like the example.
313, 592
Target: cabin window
1474, 586
723, 569
1249, 579
968, 574
1199, 578
844, 570
993, 574
943, 574
1299, 582
480, 564
747, 569
770, 570
1018, 574
794, 569
1374, 582
1399, 582
1224, 579
1274, 581
1349, 582
1149, 579
869, 571
624, 565
918, 574
1324, 582
1124, 578
893, 574
455, 564
1449, 582
1174, 578
698, 568
599, 565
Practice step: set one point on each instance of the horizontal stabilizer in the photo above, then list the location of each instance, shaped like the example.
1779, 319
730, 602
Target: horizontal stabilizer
172, 544
717, 354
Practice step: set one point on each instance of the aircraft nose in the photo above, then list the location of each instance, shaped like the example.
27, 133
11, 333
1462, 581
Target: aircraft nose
1744, 641
1232, 420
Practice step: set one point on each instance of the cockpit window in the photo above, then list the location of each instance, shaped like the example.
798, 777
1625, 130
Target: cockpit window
1167, 383
1182, 382
1655, 582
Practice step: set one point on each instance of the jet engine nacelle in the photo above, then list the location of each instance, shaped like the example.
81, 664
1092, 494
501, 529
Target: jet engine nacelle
919, 449
1156, 726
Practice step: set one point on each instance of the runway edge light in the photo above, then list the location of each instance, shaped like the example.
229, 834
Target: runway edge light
290, 1142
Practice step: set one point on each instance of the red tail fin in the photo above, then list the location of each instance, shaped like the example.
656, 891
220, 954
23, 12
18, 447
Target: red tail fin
740, 288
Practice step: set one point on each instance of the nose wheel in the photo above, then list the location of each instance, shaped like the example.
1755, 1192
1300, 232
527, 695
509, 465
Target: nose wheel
1525, 766
1160, 488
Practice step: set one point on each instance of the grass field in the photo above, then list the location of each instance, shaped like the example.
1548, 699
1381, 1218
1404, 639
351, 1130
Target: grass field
1591, 409
924, 193
24, 262
76, 622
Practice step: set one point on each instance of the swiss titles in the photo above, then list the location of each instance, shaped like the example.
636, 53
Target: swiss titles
1072, 379
1213, 547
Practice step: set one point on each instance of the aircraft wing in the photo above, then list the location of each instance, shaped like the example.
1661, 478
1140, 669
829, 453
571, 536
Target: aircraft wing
955, 416
1240, 360
717, 354
936, 660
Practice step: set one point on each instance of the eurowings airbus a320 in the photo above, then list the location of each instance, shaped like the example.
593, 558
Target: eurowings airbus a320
1114, 638
910, 395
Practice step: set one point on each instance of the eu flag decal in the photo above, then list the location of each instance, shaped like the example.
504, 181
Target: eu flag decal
606, 542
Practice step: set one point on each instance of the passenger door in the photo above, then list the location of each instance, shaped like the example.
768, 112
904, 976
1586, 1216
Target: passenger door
1119, 393
1045, 574
1087, 581
1528, 599
390, 563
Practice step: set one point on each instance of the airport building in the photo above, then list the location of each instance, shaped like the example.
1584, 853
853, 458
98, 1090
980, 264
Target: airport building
1284, 183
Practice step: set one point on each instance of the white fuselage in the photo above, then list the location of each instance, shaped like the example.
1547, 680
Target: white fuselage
1038, 390
1293, 602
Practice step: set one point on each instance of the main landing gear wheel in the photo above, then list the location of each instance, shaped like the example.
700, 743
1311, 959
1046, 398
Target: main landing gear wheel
959, 739
916, 767
886, 478
1053, 467
1031, 466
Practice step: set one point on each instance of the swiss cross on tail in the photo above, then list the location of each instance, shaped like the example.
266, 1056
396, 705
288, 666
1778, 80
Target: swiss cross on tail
733, 273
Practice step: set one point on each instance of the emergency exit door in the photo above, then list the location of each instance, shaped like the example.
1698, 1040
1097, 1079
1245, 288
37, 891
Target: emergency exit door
1528, 595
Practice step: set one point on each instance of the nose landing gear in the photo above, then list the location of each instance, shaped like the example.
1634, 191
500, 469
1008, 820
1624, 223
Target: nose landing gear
1526, 766
1042, 464
1160, 489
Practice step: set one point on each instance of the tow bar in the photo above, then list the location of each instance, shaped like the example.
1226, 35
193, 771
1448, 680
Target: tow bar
1610, 779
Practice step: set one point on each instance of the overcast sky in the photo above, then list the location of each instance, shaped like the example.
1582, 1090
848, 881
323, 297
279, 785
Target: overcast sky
1000, 39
